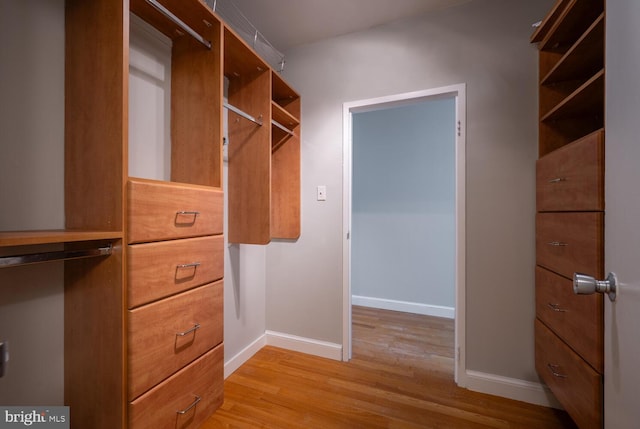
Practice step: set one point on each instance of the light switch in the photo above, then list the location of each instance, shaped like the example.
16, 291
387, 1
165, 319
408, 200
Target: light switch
322, 193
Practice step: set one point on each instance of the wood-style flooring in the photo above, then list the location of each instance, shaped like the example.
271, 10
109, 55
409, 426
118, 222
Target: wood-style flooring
401, 376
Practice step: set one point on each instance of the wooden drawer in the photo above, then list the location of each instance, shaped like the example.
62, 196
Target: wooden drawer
577, 319
570, 242
573, 382
572, 177
158, 408
156, 348
157, 270
163, 210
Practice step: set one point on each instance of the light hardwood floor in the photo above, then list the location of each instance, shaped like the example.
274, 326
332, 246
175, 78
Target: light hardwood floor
401, 376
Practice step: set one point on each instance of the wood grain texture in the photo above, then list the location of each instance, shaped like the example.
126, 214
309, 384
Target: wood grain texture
156, 270
157, 409
196, 110
156, 351
577, 319
401, 376
572, 177
249, 192
96, 110
94, 342
576, 385
579, 242
154, 206
285, 188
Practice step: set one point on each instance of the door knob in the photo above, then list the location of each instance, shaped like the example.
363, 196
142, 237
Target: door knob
587, 285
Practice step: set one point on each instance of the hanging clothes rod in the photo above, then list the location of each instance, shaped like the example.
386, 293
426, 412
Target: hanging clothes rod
282, 127
166, 12
12, 261
242, 113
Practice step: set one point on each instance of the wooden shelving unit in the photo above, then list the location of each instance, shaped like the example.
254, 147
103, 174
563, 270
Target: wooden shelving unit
111, 317
570, 206
264, 159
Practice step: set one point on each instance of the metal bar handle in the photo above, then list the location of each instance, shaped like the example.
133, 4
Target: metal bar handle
554, 371
556, 307
558, 180
242, 113
194, 213
195, 328
191, 265
11, 261
166, 12
282, 127
557, 243
193, 404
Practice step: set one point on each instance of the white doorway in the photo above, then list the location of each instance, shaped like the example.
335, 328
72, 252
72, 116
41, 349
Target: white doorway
457, 92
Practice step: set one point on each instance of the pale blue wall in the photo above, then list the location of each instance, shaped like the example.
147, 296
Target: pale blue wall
403, 229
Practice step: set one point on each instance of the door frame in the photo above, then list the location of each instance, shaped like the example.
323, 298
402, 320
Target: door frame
458, 91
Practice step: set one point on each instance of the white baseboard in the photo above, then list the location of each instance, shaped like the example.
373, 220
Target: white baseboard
236, 362
405, 306
304, 345
512, 388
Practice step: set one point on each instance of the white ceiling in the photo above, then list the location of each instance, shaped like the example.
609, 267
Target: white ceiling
287, 23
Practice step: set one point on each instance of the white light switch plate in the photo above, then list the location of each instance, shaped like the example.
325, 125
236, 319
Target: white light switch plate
322, 193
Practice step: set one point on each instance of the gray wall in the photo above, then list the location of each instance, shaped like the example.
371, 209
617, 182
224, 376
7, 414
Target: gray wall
485, 44
403, 221
32, 195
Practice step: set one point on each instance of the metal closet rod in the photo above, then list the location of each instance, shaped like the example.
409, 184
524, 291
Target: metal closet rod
166, 12
242, 113
33, 258
282, 127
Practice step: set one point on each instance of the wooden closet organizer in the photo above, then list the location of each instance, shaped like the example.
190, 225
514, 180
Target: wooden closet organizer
570, 206
143, 333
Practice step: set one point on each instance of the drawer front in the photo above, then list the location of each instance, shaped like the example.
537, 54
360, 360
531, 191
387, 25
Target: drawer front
570, 242
577, 319
158, 408
166, 335
157, 270
573, 382
572, 177
163, 211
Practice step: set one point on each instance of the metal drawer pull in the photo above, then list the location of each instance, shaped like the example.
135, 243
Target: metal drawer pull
191, 213
186, 410
191, 265
195, 328
557, 243
554, 371
556, 307
558, 179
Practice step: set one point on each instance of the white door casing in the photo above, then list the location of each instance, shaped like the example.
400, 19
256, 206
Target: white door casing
459, 92
622, 232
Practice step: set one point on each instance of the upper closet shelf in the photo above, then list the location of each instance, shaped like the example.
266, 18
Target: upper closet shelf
174, 18
575, 18
546, 25
584, 58
588, 99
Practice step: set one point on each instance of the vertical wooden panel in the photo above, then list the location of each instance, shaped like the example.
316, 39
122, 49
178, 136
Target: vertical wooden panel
250, 161
96, 101
196, 110
285, 184
94, 366
96, 109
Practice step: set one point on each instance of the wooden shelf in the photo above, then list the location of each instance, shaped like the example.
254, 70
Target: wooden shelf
587, 101
239, 59
584, 58
546, 25
189, 12
279, 114
30, 238
576, 17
